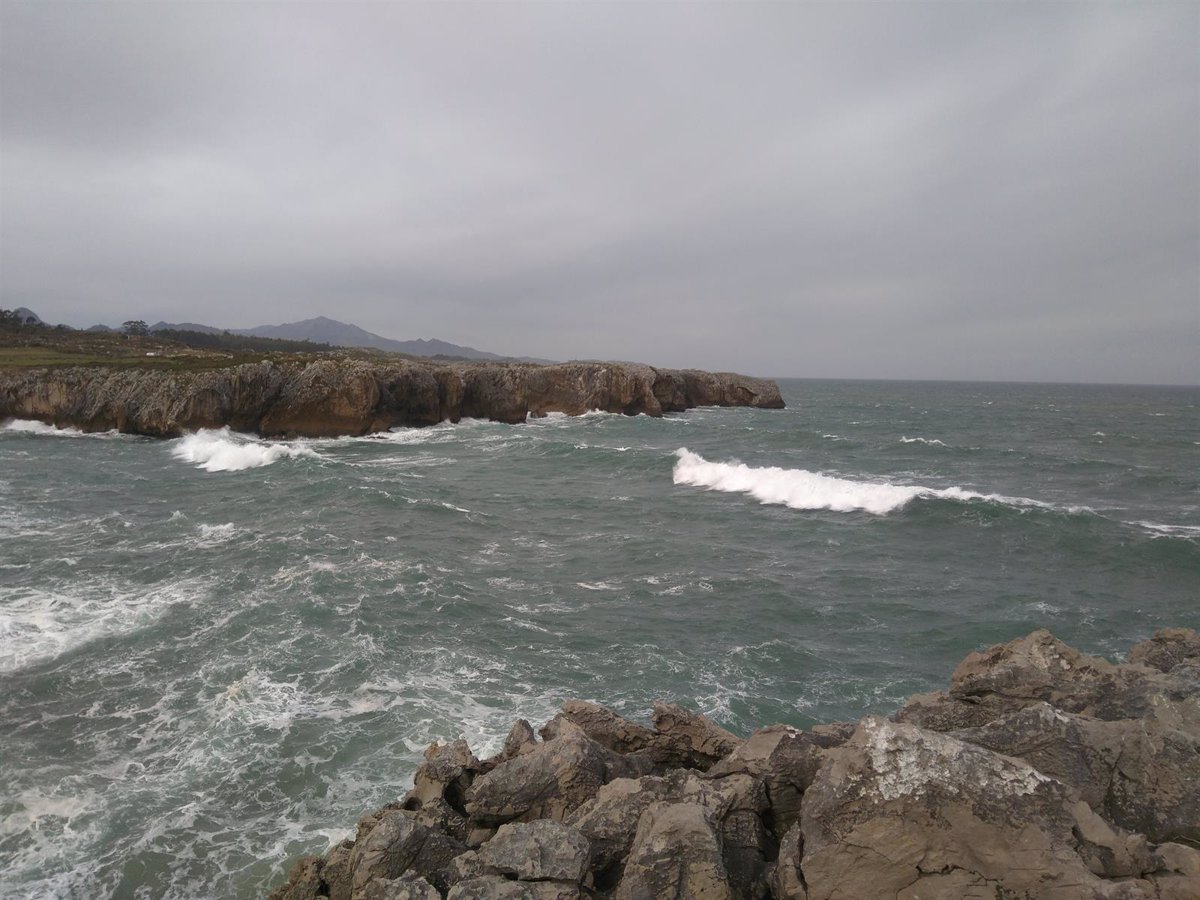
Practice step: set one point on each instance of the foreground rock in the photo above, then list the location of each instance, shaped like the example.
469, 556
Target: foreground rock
1041, 773
334, 397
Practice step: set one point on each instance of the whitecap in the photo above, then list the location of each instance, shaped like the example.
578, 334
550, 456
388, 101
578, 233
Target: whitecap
802, 489
37, 625
215, 534
30, 426
933, 442
1160, 529
221, 450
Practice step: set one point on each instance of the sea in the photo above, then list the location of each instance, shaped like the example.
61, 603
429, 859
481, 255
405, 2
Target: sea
218, 652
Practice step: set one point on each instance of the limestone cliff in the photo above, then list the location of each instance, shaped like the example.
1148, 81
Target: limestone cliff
333, 397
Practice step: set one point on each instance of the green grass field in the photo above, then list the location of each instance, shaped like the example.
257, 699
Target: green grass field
54, 348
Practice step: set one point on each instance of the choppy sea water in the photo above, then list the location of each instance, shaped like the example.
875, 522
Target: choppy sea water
217, 652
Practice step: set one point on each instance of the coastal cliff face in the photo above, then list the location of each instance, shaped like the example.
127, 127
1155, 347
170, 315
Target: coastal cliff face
1041, 773
334, 397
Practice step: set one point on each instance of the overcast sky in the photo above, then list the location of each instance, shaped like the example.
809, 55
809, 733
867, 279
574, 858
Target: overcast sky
903, 190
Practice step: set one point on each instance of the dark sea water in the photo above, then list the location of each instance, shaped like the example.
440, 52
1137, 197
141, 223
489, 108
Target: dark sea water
216, 653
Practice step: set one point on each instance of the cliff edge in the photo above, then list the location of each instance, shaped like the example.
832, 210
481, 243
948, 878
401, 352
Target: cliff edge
332, 397
1041, 773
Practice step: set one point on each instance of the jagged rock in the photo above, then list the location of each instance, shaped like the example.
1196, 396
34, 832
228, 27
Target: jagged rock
406, 887
602, 725
641, 745
546, 783
833, 734
899, 811
733, 803
706, 740
446, 774
675, 854
787, 880
610, 820
1176, 873
1142, 774
940, 711
503, 889
441, 816
786, 760
1041, 667
399, 845
1167, 648
304, 881
336, 873
520, 739
529, 851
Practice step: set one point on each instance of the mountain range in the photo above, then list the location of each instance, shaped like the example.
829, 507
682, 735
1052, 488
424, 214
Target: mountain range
322, 330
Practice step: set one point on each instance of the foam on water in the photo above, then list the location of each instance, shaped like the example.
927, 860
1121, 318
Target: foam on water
802, 489
37, 625
933, 442
220, 450
29, 426
1161, 530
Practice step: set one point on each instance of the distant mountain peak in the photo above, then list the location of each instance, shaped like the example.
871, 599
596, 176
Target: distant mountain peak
324, 330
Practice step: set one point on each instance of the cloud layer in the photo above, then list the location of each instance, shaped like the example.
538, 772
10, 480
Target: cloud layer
998, 191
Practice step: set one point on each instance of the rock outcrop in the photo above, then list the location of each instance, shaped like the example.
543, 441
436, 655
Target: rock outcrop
1041, 773
346, 396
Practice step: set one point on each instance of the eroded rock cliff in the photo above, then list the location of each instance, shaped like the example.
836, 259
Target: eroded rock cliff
334, 397
1042, 773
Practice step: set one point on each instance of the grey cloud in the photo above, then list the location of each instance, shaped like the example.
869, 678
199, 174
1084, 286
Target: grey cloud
926, 190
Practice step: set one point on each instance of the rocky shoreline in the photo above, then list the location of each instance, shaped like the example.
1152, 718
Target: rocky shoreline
1041, 773
334, 397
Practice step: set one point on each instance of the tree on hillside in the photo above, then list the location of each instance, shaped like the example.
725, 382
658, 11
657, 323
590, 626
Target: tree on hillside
135, 326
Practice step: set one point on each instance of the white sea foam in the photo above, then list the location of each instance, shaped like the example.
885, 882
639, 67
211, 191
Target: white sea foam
1170, 530
933, 442
36, 625
221, 450
211, 535
29, 426
801, 489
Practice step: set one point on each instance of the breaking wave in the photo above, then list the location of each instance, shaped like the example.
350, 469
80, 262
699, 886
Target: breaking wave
220, 450
30, 426
801, 489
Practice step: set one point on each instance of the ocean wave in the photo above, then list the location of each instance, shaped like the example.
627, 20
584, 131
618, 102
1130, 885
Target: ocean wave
932, 442
802, 489
1161, 530
220, 450
29, 426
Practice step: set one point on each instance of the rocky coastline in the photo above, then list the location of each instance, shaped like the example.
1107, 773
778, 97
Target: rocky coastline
1040, 773
333, 397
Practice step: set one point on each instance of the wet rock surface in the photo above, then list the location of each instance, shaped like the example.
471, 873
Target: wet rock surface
334, 397
1041, 773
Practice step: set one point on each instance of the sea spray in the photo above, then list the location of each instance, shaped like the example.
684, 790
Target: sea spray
220, 450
